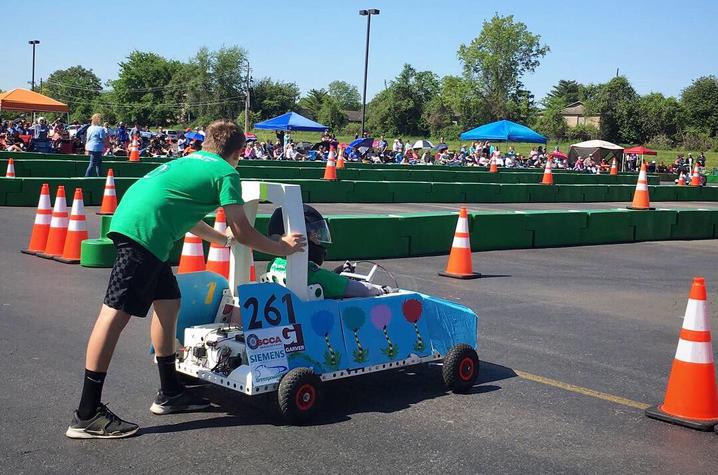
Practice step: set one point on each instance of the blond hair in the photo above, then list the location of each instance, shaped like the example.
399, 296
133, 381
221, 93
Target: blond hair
96, 119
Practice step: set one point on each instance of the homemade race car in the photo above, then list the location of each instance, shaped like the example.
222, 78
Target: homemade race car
280, 334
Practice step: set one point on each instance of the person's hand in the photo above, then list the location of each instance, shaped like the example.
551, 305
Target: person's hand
294, 242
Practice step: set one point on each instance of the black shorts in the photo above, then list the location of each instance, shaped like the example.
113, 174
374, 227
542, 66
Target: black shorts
138, 278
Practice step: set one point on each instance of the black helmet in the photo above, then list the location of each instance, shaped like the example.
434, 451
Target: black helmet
318, 237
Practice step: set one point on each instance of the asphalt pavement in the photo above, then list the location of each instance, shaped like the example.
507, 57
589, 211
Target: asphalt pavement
573, 341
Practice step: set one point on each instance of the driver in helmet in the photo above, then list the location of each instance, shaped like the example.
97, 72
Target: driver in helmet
319, 239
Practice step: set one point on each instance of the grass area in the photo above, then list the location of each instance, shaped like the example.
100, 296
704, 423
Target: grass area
667, 156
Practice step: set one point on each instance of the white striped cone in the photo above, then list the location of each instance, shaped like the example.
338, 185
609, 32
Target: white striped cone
76, 231
641, 201
10, 173
41, 228
691, 395
218, 257
109, 195
696, 177
547, 174
330, 172
459, 265
192, 258
58, 227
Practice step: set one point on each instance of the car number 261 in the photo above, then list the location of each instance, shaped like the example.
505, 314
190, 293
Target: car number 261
271, 311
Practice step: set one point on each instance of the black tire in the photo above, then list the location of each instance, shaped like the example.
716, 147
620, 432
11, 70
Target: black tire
461, 368
299, 395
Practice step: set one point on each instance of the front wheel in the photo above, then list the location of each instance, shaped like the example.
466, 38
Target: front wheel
461, 368
299, 395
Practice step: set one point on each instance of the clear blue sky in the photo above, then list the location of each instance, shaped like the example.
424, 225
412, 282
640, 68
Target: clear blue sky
659, 45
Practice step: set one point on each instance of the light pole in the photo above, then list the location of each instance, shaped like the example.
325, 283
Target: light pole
367, 14
33, 43
246, 100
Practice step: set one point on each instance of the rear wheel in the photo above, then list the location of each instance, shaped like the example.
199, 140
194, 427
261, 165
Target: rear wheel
461, 368
299, 395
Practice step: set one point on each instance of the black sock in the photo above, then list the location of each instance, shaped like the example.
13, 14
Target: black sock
169, 383
91, 394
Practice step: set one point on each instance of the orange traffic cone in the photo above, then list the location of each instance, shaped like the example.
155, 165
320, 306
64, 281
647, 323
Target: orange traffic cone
492, 167
614, 168
547, 174
252, 267
109, 196
691, 396
135, 150
695, 178
10, 173
76, 231
41, 228
340, 160
640, 197
330, 172
58, 227
459, 265
192, 258
682, 179
218, 258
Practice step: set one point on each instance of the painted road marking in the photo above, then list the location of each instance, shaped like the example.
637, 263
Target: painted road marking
581, 390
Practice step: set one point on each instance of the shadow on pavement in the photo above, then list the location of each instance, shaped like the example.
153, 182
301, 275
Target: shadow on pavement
383, 392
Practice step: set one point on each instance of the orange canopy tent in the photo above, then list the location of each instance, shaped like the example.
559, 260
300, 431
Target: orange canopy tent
29, 101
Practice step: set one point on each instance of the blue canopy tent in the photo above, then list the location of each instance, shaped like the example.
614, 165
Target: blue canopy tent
504, 131
291, 121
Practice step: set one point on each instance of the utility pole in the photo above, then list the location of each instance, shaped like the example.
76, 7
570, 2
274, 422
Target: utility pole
367, 14
246, 100
33, 43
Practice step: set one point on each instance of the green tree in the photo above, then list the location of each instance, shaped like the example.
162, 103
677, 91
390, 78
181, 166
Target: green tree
331, 115
496, 60
229, 80
345, 94
550, 122
141, 86
77, 87
617, 103
272, 98
700, 101
312, 103
659, 115
567, 91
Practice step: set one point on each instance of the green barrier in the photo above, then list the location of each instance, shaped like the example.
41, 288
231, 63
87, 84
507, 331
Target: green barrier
692, 224
428, 233
447, 193
594, 193
662, 193
367, 237
653, 225
542, 193
514, 193
499, 230
607, 226
556, 228
483, 192
569, 194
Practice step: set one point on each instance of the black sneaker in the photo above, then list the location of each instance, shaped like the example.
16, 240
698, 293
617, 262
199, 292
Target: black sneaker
182, 402
103, 425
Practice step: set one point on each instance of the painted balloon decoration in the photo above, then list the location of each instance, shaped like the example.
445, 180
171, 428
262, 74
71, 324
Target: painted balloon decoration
412, 309
354, 319
322, 323
380, 318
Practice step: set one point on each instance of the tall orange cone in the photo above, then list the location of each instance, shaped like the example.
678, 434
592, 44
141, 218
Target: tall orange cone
58, 227
252, 267
10, 173
492, 167
547, 174
76, 231
135, 150
109, 196
330, 172
340, 160
192, 258
614, 168
691, 395
218, 258
459, 265
641, 200
695, 178
682, 179
41, 228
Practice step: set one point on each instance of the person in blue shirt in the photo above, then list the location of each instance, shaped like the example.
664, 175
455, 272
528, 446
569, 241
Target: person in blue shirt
123, 138
95, 144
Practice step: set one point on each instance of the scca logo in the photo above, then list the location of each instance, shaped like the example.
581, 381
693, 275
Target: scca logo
254, 342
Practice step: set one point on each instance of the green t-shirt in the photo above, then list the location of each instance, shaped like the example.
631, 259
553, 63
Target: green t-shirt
159, 208
333, 284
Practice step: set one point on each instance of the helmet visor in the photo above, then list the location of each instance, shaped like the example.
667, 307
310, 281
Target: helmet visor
318, 233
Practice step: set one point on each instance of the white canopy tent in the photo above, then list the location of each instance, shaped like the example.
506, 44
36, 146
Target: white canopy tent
600, 149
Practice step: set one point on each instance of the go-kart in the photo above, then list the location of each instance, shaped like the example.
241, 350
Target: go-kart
280, 334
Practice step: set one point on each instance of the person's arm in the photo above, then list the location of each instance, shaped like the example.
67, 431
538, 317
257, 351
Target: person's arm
238, 226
